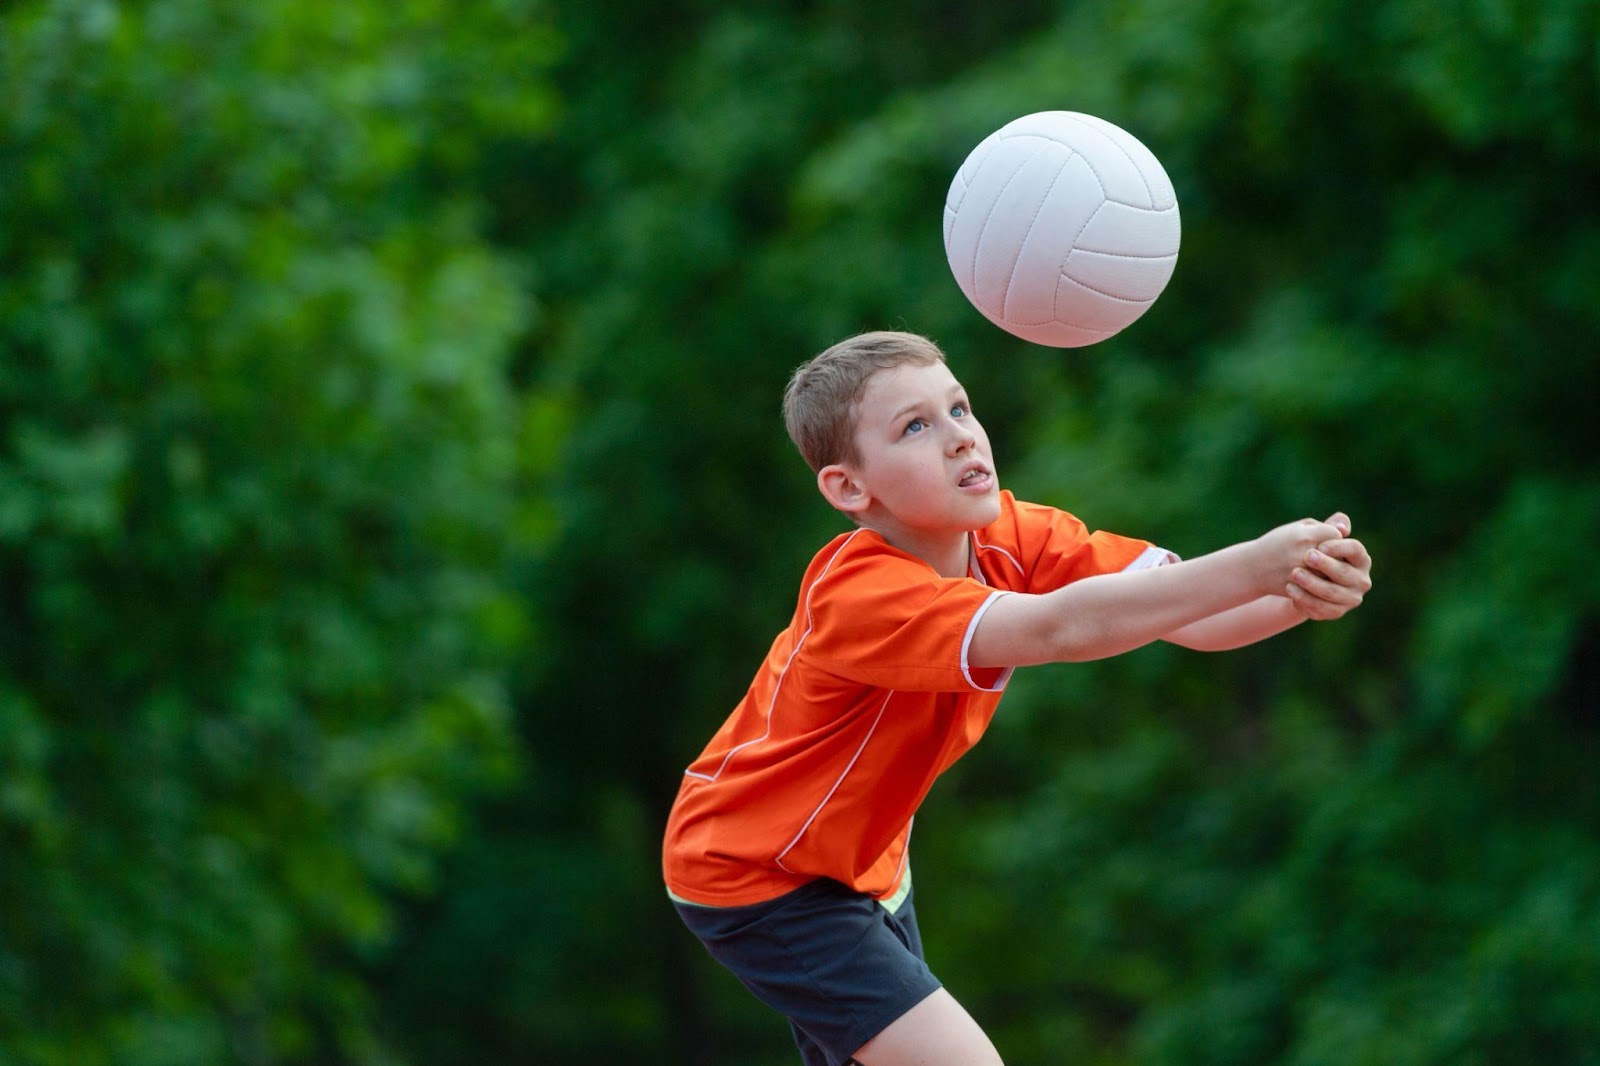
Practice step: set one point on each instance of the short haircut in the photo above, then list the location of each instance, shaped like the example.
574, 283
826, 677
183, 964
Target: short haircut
819, 404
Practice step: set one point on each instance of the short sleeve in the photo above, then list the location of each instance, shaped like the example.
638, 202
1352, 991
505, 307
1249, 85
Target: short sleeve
1034, 548
885, 619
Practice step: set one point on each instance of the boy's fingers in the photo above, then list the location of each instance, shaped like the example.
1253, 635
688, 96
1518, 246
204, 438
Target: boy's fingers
1334, 576
1313, 607
1325, 588
1342, 574
1322, 531
1350, 550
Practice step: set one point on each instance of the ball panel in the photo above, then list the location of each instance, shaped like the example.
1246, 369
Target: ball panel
987, 189
1087, 308
1120, 229
975, 159
1158, 191
962, 181
1122, 277
1128, 172
1066, 208
1011, 224
1061, 228
1056, 334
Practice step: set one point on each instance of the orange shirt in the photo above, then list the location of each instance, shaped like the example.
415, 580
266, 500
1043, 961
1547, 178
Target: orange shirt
861, 703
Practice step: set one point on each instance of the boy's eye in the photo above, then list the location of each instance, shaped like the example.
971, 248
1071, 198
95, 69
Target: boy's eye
959, 410
916, 425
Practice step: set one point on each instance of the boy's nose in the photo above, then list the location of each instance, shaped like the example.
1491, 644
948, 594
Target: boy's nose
961, 438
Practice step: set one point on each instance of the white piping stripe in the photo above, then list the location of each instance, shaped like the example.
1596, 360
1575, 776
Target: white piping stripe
1150, 557
905, 853
848, 767
897, 899
966, 642
773, 702
975, 571
991, 548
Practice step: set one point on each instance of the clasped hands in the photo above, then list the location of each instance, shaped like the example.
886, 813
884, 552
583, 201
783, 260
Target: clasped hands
1334, 576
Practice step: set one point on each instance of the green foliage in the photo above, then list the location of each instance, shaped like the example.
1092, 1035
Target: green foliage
256, 472
1367, 840
393, 499
1189, 886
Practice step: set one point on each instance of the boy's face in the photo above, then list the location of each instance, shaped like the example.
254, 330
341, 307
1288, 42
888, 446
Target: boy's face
925, 459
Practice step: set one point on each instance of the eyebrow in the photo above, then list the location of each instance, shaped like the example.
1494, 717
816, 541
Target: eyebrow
907, 409
955, 390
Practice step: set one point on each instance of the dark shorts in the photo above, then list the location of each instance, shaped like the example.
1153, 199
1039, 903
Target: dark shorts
834, 962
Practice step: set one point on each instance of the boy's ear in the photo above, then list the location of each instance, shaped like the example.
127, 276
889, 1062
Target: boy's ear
841, 488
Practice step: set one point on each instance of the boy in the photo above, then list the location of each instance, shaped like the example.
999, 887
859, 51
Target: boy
786, 850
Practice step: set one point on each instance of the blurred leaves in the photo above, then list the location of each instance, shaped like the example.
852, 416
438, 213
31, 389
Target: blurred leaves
393, 499
257, 467
1385, 305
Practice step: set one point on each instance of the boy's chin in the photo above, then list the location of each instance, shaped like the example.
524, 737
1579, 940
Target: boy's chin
988, 514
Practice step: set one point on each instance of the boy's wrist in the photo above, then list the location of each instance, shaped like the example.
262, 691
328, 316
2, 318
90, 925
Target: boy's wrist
1272, 575
1260, 568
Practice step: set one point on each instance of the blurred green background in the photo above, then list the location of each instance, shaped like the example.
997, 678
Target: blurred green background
393, 499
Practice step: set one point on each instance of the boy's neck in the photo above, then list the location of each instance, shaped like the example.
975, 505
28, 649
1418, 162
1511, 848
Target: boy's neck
948, 553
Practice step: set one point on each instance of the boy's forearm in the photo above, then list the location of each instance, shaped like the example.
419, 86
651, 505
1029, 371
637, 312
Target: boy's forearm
1113, 613
1245, 624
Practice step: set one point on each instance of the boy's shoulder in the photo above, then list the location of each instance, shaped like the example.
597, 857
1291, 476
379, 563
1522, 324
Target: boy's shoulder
1021, 517
1035, 547
858, 553
1022, 525
864, 555
1018, 524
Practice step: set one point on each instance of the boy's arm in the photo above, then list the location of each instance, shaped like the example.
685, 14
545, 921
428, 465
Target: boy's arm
1335, 578
1245, 624
1113, 613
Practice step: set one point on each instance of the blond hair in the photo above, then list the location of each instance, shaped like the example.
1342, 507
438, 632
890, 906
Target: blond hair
819, 403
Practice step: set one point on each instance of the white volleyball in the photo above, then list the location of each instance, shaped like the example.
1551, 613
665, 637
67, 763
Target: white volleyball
1061, 228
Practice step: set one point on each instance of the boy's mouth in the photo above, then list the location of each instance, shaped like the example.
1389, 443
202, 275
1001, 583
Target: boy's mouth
975, 477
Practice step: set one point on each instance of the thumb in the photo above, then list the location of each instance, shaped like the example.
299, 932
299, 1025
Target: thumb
1340, 521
